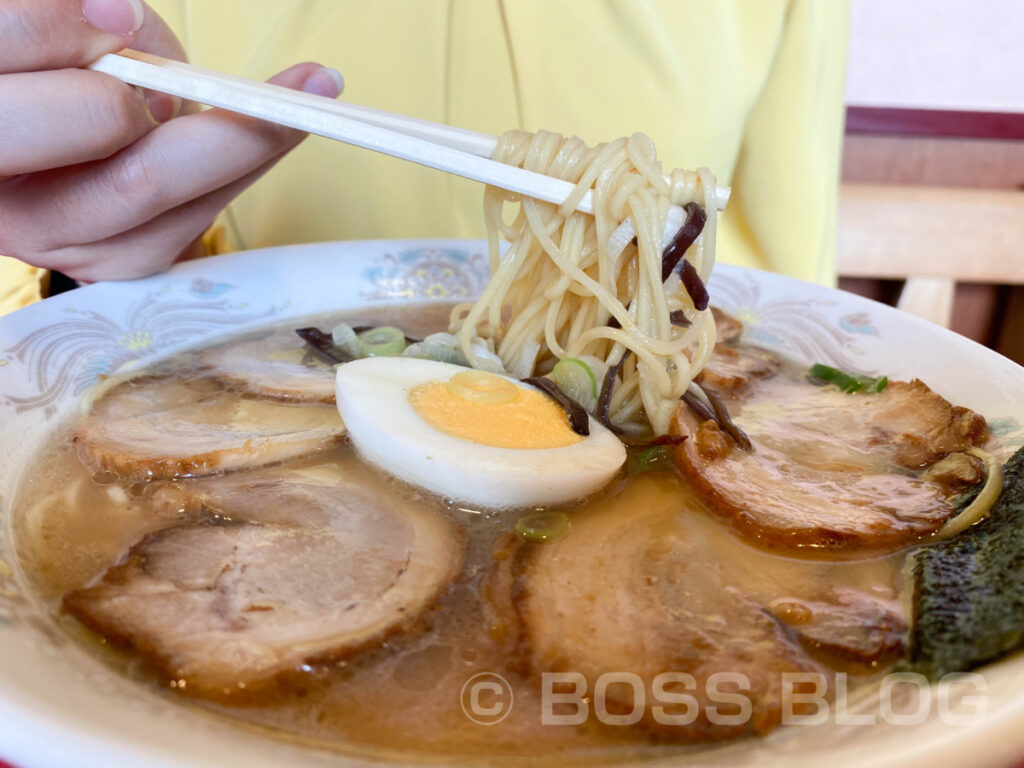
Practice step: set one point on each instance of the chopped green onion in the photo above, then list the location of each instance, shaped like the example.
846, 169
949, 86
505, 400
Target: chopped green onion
440, 352
442, 347
345, 338
652, 459
542, 526
522, 368
383, 341
576, 379
597, 366
847, 382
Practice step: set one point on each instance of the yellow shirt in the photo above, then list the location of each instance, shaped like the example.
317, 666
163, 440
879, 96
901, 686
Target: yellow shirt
749, 88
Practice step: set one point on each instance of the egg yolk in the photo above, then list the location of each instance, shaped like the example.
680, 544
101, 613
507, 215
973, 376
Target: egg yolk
490, 410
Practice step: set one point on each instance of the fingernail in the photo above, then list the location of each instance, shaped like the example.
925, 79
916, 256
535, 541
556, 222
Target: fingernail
162, 106
115, 17
325, 82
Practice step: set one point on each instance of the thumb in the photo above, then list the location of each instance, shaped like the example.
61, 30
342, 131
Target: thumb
57, 34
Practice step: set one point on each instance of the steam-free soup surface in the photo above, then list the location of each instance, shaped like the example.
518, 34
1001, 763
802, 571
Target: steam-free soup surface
403, 692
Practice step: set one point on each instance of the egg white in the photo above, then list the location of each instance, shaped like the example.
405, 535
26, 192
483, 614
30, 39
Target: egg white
373, 400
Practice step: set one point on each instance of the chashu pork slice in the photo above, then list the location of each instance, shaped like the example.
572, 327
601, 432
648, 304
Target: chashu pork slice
287, 567
641, 586
163, 427
830, 470
733, 368
279, 366
728, 329
847, 628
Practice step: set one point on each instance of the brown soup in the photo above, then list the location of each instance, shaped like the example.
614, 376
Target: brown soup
412, 693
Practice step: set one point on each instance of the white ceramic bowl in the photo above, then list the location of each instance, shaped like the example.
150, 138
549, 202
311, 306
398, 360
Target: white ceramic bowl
60, 706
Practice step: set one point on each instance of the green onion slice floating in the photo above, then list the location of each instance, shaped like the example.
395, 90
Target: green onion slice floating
383, 341
652, 459
345, 338
847, 382
542, 526
576, 379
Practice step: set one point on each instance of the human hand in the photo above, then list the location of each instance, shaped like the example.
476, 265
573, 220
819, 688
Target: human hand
98, 179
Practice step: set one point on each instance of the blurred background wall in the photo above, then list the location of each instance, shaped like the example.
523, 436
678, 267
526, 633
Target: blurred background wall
933, 165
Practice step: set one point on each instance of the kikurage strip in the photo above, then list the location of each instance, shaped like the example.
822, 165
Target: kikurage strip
682, 240
604, 400
695, 286
678, 318
725, 421
322, 343
653, 442
698, 407
675, 252
578, 418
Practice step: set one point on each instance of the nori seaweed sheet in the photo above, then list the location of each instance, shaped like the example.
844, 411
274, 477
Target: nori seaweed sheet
969, 591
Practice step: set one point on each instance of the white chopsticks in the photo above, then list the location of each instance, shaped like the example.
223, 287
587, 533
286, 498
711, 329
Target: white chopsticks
455, 150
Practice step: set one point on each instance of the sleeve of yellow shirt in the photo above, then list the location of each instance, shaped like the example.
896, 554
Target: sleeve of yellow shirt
20, 284
786, 185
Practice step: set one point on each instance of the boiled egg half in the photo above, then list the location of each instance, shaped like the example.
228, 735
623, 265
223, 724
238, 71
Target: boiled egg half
471, 436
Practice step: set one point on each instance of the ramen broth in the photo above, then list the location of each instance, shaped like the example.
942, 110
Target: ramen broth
402, 696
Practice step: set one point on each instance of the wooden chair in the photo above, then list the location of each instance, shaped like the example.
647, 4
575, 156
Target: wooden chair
931, 237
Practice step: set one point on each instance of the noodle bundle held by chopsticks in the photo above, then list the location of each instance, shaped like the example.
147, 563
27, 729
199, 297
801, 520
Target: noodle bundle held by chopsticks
562, 290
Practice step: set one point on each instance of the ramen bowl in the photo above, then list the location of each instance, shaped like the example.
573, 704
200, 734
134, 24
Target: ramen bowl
60, 704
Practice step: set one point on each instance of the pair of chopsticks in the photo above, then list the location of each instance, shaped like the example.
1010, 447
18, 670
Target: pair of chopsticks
455, 150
